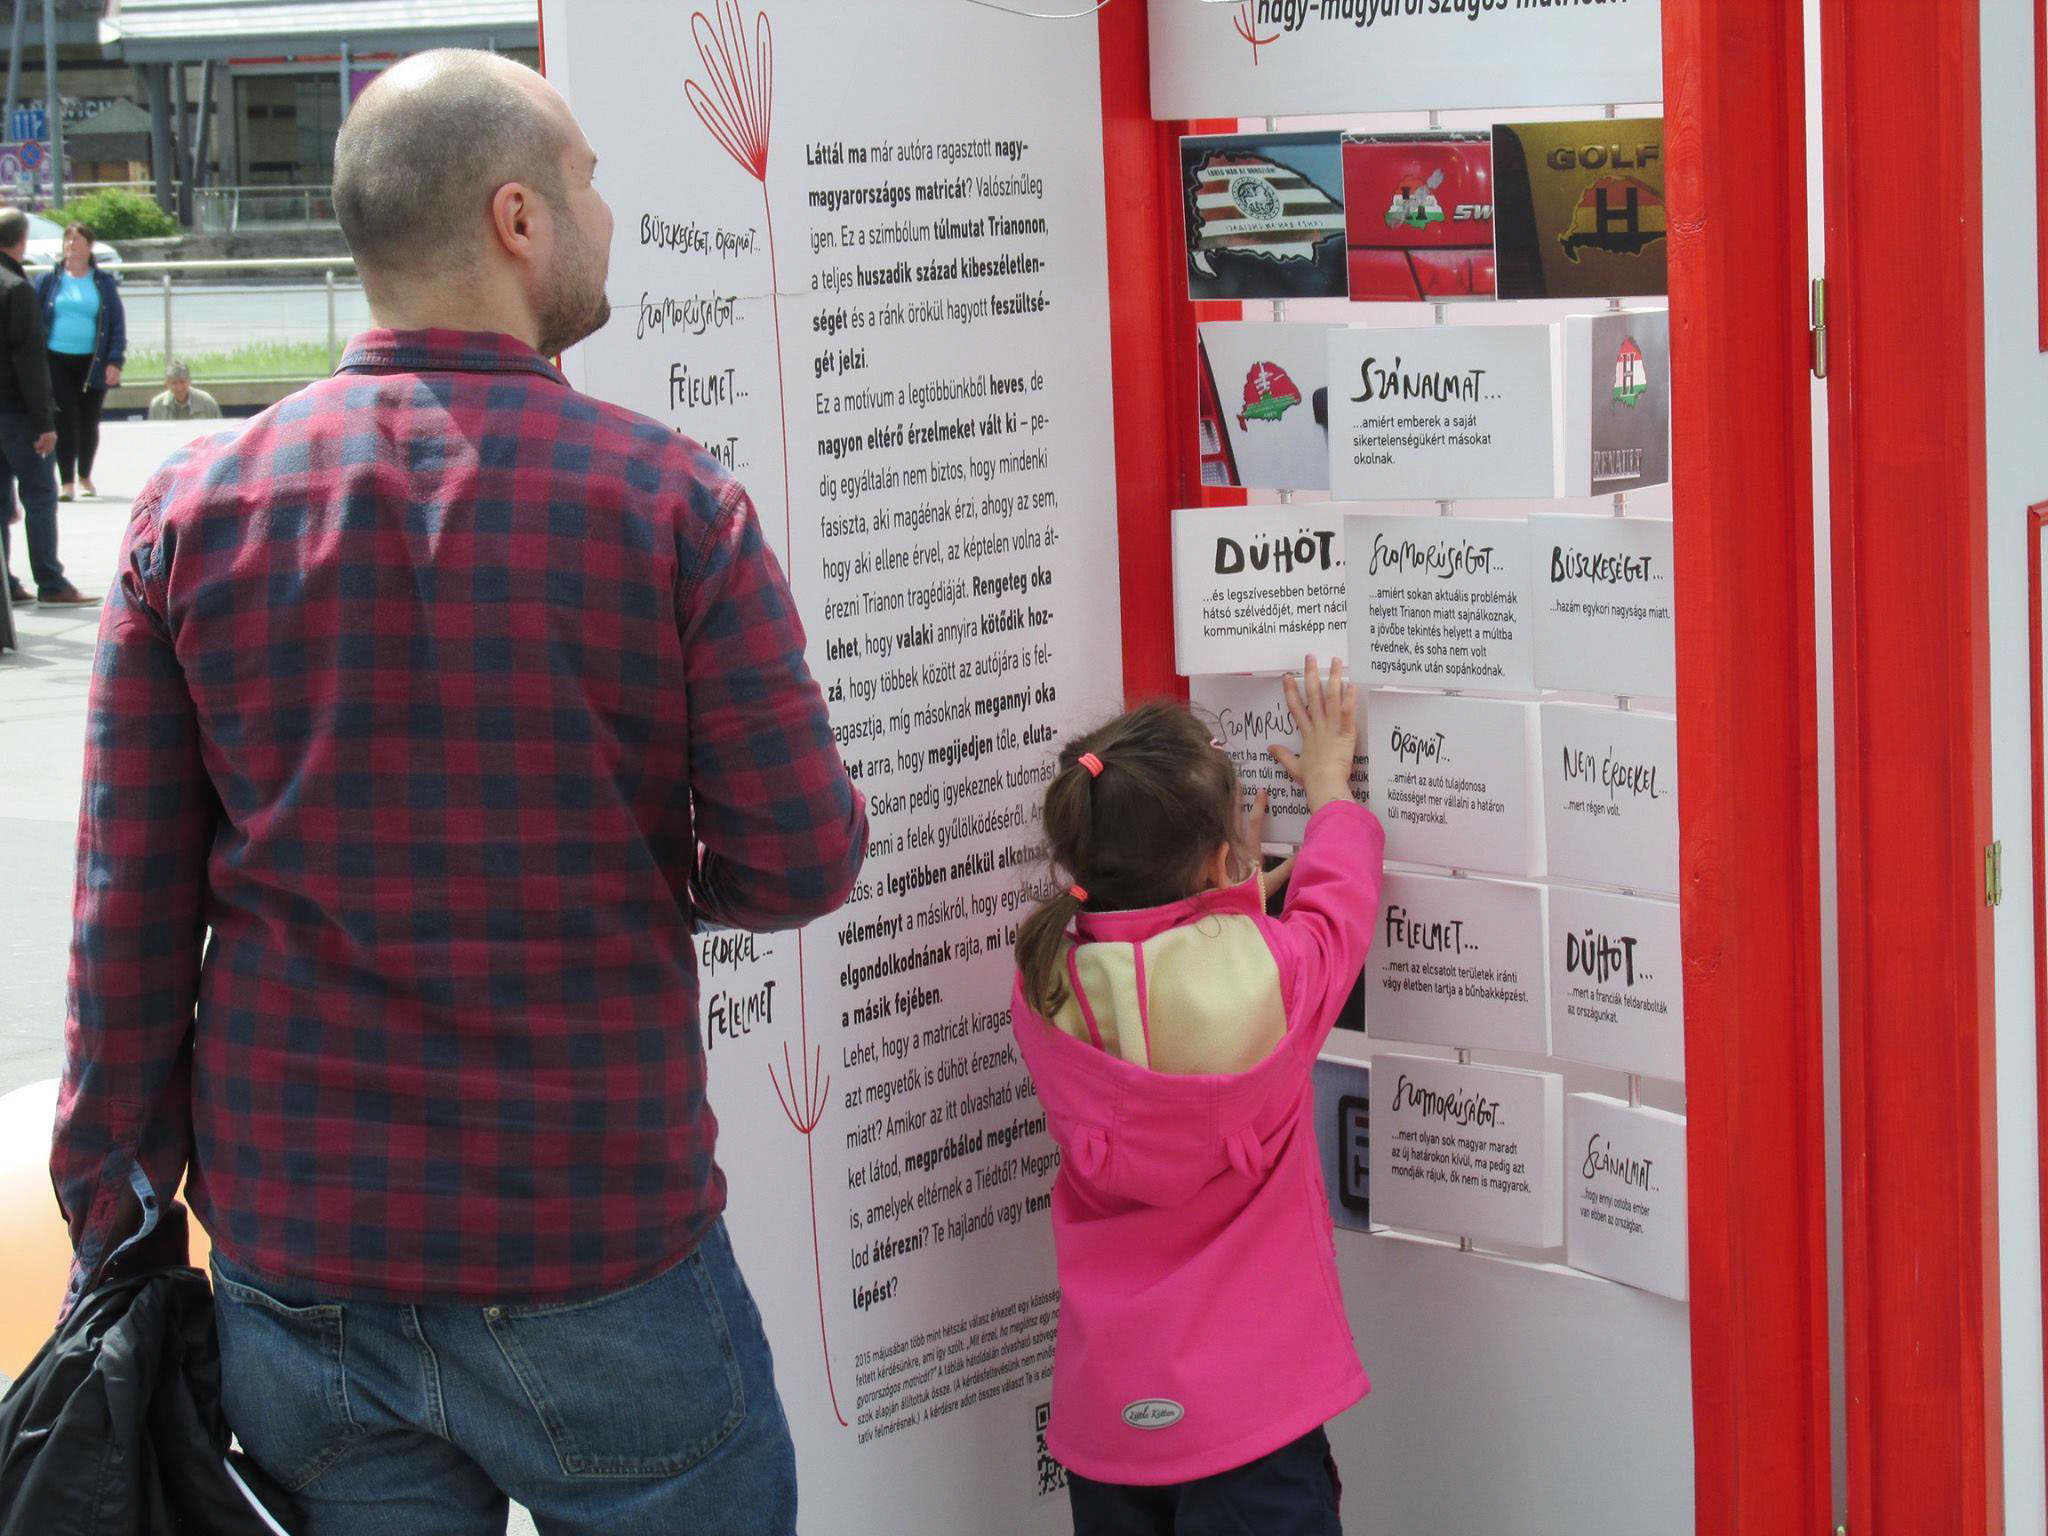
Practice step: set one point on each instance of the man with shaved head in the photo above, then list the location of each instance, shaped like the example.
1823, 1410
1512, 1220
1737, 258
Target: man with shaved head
433, 712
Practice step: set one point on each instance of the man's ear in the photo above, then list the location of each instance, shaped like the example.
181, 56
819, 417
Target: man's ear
514, 216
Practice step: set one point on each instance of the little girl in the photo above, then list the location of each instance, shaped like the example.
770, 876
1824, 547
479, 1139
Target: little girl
1172, 1029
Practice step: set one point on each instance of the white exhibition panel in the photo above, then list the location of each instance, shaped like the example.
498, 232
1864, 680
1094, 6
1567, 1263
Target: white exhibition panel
919, 417
1440, 602
890, 318
1523, 1399
1268, 58
2015, 402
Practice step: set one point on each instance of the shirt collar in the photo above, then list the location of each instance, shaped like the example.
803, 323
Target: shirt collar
435, 351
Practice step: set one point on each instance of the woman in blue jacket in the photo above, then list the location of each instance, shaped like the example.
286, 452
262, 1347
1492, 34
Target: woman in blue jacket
88, 342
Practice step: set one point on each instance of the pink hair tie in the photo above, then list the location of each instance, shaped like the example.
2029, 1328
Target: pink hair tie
1092, 763
1077, 892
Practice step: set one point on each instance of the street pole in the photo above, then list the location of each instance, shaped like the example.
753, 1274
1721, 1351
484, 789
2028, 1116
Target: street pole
156, 86
182, 158
14, 62
56, 107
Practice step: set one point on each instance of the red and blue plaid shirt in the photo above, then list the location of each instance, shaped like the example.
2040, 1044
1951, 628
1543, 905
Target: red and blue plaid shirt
449, 700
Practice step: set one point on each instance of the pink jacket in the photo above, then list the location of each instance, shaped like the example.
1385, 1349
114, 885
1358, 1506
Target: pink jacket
1201, 1324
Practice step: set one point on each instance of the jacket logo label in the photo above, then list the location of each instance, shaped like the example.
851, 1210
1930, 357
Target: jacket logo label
1154, 1413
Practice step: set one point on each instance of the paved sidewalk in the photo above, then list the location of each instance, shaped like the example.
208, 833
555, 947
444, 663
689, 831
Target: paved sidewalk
42, 750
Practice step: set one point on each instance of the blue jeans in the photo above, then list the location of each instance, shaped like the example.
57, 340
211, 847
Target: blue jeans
650, 1410
21, 464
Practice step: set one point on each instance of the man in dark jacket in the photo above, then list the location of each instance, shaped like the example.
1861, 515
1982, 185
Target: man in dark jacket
28, 423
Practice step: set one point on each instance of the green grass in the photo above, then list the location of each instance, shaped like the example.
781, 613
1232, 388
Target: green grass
257, 360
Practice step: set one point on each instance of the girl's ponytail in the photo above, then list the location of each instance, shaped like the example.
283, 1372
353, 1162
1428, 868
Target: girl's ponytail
1041, 958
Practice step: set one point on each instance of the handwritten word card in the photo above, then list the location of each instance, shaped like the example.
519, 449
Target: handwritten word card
1439, 412
1452, 780
1467, 1151
1617, 994
1610, 797
1249, 714
1257, 588
1458, 962
1625, 1193
1603, 596
1440, 602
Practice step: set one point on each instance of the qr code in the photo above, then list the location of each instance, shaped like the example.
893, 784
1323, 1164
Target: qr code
1052, 1477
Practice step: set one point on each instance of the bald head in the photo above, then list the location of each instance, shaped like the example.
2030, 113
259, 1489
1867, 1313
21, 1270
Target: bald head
427, 146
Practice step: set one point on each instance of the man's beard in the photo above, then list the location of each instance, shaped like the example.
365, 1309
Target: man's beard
563, 327
572, 309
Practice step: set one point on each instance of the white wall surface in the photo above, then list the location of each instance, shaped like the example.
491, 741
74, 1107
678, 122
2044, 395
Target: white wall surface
2016, 410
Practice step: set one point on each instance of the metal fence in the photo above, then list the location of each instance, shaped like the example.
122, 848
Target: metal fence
242, 321
226, 210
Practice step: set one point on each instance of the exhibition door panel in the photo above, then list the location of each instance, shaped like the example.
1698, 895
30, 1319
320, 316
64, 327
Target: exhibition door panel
1441, 1446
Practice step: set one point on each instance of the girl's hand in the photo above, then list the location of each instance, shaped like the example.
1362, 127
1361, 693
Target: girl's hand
1326, 714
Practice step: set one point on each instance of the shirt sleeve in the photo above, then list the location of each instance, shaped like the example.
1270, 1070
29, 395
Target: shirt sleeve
117, 320
1333, 901
146, 826
31, 361
780, 827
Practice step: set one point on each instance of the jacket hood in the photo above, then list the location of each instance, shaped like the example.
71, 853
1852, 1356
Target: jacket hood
1168, 1065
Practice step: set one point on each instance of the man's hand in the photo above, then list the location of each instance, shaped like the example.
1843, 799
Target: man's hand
46, 445
113, 375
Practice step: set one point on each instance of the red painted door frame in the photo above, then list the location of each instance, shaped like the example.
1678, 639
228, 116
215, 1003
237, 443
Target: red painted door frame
1912, 700
1153, 352
1748, 800
1748, 797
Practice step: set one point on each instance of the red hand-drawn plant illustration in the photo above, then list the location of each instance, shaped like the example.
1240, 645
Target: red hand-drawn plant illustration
1248, 29
736, 111
805, 1107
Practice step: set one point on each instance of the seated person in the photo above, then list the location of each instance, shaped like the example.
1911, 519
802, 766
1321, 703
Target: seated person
180, 401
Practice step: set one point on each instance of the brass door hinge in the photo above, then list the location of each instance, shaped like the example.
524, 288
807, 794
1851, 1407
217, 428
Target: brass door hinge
1994, 874
1817, 308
